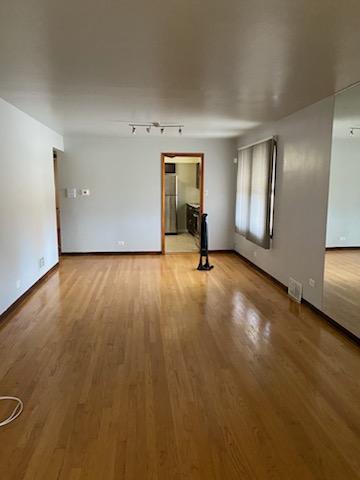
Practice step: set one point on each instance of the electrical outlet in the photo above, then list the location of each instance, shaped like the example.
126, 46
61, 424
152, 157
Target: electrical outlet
254, 253
121, 243
41, 262
312, 282
18, 284
342, 239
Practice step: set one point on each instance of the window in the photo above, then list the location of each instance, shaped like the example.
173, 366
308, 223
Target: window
255, 192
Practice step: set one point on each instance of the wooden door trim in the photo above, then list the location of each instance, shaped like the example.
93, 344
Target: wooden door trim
176, 154
57, 198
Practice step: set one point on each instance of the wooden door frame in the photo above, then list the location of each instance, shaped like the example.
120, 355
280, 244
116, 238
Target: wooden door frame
176, 154
57, 197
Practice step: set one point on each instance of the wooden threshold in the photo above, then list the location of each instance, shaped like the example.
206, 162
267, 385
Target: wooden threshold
155, 252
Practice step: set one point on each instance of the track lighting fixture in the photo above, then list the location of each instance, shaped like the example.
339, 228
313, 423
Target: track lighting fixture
354, 130
149, 126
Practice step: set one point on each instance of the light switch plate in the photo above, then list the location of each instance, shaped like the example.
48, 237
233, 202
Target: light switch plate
71, 192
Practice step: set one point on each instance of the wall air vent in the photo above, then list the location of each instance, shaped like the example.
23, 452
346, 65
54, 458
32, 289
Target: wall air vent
295, 290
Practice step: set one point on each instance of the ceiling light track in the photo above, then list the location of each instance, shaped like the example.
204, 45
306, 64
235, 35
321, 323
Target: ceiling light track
353, 130
156, 125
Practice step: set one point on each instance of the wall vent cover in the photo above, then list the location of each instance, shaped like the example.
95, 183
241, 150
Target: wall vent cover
295, 290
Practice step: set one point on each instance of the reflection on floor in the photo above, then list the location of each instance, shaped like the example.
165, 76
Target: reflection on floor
182, 242
342, 287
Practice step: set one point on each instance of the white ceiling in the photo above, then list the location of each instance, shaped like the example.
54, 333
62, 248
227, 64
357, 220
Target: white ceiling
218, 67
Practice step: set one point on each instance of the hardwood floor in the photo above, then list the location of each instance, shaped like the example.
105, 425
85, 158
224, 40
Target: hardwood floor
182, 242
142, 368
342, 288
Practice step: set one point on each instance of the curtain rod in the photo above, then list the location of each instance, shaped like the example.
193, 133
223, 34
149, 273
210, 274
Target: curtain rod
257, 143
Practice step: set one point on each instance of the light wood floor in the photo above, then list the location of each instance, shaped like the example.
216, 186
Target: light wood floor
142, 368
182, 242
342, 288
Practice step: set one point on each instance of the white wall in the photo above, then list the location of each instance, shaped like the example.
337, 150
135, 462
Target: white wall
27, 202
187, 191
124, 177
343, 227
304, 145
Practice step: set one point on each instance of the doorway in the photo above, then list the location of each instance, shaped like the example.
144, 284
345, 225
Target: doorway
56, 154
341, 293
182, 176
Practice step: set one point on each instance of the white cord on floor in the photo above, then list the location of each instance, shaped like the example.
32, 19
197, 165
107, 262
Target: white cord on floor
16, 412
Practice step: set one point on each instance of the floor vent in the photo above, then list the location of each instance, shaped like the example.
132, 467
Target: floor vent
295, 290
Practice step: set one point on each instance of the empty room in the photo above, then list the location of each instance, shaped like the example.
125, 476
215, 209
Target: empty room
179, 240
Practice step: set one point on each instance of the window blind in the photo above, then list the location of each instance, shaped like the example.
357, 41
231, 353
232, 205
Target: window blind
255, 192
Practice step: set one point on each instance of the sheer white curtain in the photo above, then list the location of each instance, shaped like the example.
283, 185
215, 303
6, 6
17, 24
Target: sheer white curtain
255, 189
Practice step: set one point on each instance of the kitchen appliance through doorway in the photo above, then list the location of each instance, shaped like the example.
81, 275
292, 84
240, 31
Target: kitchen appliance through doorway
172, 231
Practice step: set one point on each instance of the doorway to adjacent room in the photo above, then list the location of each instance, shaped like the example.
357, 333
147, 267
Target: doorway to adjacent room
182, 201
341, 295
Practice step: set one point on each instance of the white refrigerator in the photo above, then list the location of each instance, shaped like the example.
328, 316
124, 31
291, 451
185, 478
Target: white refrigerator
171, 200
